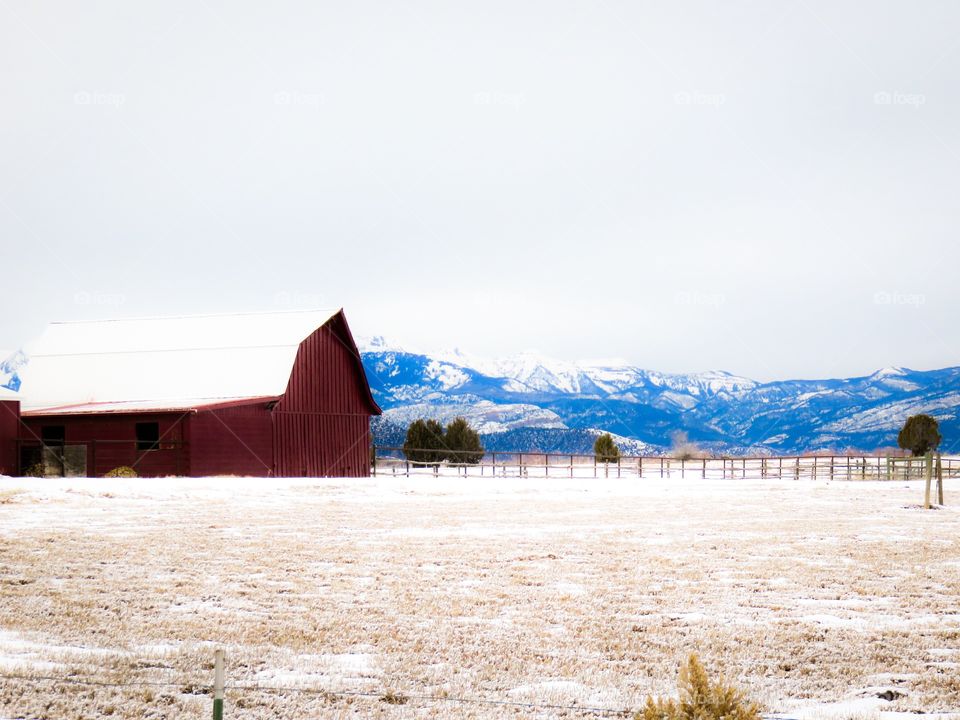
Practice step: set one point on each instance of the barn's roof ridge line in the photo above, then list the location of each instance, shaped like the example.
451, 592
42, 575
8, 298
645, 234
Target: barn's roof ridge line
187, 316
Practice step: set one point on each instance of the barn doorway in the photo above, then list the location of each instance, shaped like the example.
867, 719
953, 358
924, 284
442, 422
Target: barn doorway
53, 456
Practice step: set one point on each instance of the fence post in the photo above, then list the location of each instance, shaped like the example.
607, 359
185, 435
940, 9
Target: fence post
704, 468
928, 475
374, 461
218, 684
640, 467
939, 480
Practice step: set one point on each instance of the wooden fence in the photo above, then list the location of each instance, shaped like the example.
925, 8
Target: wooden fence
391, 461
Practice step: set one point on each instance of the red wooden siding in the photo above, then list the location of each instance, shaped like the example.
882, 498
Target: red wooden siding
111, 441
9, 430
322, 422
231, 441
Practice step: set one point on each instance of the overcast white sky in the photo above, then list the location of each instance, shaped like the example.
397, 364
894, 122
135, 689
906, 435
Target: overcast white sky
769, 188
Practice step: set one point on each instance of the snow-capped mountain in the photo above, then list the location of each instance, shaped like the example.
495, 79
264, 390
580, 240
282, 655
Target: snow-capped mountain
720, 411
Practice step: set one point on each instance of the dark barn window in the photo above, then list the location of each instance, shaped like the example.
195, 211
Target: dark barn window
53, 434
148, 436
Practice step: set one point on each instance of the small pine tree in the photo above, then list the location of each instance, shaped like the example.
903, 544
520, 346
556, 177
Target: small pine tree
463, 443
605, 450
920, 435
424, 444
700, 699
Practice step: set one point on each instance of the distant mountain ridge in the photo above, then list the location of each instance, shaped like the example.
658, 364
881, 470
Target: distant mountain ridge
540, 401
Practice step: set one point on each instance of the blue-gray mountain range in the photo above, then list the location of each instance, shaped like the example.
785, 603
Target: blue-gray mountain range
532, 403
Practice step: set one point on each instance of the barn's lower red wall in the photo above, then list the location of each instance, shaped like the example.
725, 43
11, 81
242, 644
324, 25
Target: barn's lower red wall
111, 441
321, 445
249, 440
231, 441
9, 430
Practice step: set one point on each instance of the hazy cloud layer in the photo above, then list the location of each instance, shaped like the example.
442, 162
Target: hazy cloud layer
768, 188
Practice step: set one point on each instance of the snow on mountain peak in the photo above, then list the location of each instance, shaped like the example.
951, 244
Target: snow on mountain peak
10, 366
892, 371
377, 344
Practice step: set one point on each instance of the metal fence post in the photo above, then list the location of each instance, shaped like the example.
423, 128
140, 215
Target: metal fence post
218, 684
939, 480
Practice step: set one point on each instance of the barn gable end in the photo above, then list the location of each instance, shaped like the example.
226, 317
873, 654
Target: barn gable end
322, 422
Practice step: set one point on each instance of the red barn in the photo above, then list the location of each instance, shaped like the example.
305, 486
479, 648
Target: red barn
9, 429
261, 394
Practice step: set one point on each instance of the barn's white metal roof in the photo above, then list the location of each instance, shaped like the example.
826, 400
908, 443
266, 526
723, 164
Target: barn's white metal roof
164, 363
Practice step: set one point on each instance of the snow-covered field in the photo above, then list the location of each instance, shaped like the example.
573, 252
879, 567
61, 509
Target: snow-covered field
822, 600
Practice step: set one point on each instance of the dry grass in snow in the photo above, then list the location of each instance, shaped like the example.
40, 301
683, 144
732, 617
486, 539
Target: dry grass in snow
815, 598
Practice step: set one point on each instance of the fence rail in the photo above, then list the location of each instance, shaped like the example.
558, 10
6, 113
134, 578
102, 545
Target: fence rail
391, 461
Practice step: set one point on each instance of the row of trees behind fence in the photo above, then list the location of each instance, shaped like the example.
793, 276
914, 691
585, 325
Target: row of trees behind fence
428, 442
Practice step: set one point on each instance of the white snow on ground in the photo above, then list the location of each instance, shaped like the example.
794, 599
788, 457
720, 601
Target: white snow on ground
815, 597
